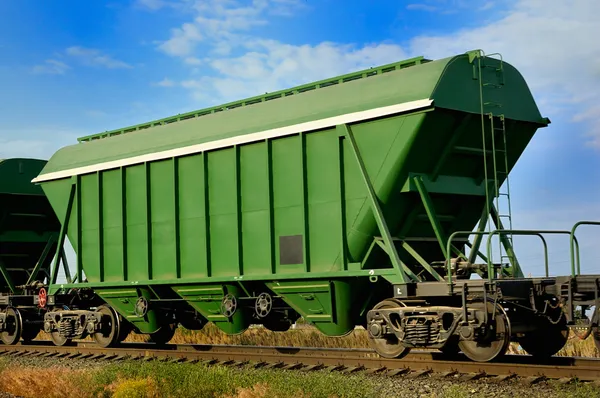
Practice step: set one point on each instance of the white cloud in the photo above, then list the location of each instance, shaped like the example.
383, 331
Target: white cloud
52, 67
590, 116
243, 64
552, 43
95, 113
85, 56
182, 40
23, 148
272, 66
166, 82
421, 7
193, 61
530, 248
93, 57
44, 143
152, 4
448, 6
487, 6
220, 23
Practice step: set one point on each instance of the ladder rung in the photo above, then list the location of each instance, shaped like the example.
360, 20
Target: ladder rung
502, 194
467, 149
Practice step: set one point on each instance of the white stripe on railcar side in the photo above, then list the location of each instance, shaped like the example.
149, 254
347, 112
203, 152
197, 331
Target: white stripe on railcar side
242, 139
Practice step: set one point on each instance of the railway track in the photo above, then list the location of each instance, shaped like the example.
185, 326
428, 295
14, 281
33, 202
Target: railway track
416, 364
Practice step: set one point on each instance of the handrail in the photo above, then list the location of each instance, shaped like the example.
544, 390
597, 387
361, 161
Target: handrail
539, 233
572, 240
448, 251
525, 233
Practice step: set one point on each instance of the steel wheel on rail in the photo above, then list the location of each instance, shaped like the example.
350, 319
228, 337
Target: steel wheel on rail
109, 332
164, 334
451, 348
495, 342
59, 340
596, 337
549, 338
389, 346
13, 327
30, 332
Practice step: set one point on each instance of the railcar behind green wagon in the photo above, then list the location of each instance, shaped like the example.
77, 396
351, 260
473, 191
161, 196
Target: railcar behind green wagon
28, 240
27, 224
318, 201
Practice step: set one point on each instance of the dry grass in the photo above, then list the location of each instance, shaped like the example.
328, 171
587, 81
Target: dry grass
307, 336
575, 347
311, 337
302, 337
262, 390
28, 382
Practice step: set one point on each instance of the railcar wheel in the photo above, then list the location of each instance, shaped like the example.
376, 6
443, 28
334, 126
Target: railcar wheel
596, 337
278, 325
59, 340
193, 323
494, 343
263, 305
13, 328
164, 334
389, 346
109, 333
125, 328
548, 339
30, 333
451, 348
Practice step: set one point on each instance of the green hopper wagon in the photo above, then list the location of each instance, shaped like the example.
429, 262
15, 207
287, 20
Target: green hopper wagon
333, 201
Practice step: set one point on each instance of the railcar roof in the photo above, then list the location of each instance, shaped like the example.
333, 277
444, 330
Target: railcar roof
16, 175
263, 98
444, 83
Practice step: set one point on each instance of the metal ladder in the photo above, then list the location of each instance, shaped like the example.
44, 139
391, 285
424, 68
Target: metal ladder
496, 125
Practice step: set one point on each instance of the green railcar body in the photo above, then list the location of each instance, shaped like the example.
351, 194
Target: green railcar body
322, 195
28, 226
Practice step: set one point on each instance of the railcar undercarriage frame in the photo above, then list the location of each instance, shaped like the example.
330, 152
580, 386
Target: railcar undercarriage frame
538, 313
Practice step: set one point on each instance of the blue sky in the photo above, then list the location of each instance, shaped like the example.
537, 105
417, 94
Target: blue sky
79, 67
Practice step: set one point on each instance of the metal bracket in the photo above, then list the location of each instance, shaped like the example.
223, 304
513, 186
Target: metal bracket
7, 277
42, 259
435, 224
63, 232
375, 206
516, 268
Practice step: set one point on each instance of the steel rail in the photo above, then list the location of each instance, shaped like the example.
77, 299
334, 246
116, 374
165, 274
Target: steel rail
415, 364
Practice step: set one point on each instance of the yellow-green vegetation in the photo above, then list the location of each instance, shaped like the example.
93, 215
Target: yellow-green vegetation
132, 379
